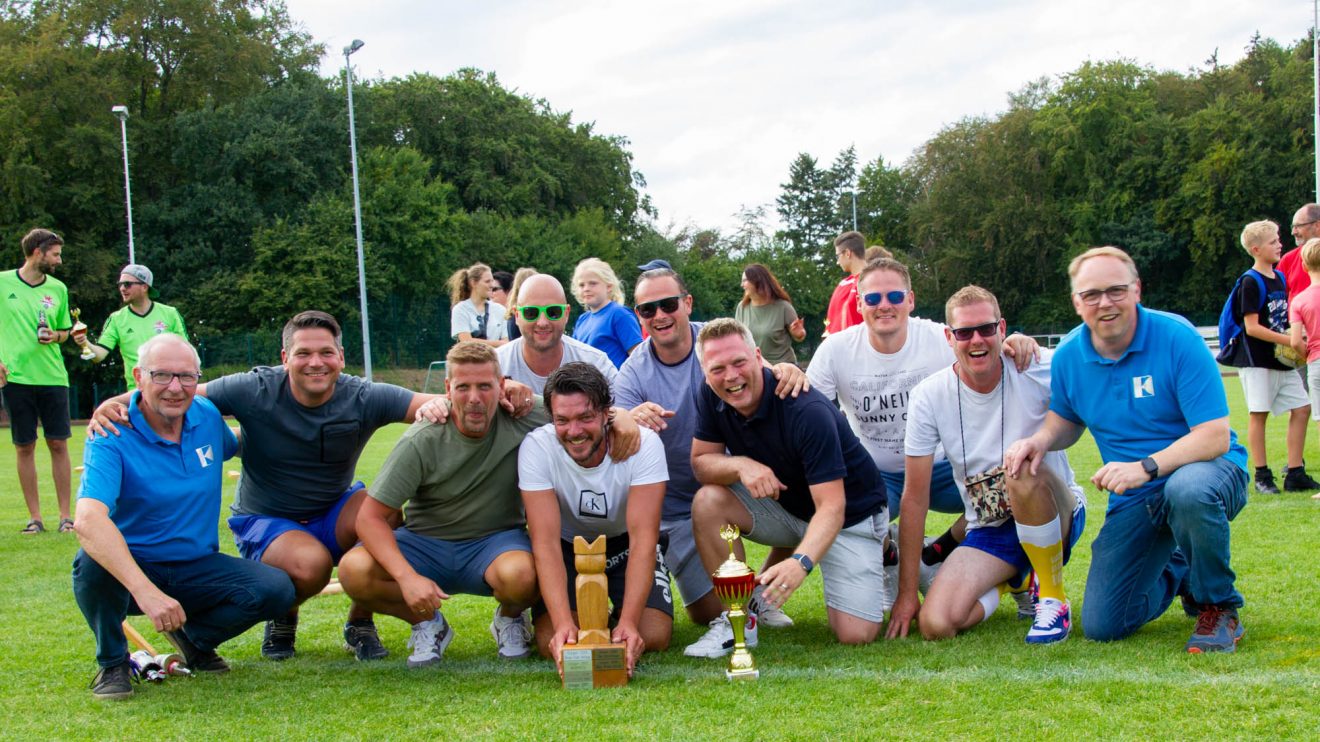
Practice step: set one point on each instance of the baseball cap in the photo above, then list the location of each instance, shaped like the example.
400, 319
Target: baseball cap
141, 273
654, 265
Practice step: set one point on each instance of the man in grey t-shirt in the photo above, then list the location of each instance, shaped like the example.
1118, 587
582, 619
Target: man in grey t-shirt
542, 316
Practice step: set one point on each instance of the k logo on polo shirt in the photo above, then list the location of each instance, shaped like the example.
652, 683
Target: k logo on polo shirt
205, 456
1143, 386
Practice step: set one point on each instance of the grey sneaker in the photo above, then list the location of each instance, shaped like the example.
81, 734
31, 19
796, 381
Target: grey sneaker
513, 636
112, 683
361, 639
429, 640
774, 617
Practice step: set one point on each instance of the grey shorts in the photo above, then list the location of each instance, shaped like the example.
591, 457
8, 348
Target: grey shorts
683, 561
852, 571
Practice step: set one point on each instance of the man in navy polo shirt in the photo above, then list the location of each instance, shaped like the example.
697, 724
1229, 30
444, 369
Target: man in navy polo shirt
789, 473
146, 519
1144, 383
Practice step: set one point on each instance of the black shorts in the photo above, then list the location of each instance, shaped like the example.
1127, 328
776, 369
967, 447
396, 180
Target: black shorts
27, 403
616, 567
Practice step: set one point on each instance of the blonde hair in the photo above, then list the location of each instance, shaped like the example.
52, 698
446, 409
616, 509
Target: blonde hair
601, 270
969, 295
460, 283
1108, 251
522, 274
470, 352
875, 252
1258, 233
1311, 255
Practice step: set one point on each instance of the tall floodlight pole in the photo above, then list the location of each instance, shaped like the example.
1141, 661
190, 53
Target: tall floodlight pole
854, 197
357, 212
121, 112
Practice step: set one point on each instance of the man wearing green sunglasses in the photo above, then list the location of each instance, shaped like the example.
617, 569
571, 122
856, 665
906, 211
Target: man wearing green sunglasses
542, 316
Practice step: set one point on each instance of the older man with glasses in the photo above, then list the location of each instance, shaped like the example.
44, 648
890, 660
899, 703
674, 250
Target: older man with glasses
140, 319
542, 315
1305, 225
1144, 384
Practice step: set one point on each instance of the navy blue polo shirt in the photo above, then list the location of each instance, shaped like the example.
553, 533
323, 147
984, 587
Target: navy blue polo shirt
804, 440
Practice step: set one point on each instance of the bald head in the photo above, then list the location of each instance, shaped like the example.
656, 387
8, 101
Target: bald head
541, 289
543, 297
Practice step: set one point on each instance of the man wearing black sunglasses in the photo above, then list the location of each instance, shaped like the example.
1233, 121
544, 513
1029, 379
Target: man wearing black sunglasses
133, 324
542, 316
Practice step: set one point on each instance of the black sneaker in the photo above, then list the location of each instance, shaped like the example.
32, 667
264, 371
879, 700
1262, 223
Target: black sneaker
361, 639
112, 683
277, 643
197, 660
1265, 481
1297, 480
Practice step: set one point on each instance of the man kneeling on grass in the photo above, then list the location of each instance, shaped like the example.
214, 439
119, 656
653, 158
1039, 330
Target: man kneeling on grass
146, 519
570, 488
464, 526
973, 410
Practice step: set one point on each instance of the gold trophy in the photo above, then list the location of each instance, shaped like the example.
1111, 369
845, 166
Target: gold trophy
79, 334
594, 662
734, 582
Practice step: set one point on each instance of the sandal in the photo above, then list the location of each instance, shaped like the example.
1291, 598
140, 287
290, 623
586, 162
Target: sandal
33, 526
66, 525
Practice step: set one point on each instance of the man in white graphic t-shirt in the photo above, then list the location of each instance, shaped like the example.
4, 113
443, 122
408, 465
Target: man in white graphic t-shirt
571, 487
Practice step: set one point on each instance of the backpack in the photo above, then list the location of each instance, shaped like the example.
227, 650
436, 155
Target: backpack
1232, 331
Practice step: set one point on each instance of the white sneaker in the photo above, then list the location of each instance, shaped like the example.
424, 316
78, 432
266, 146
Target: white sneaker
429, 640
891, 587
774, 617
1053, 622
718, 640
513, 636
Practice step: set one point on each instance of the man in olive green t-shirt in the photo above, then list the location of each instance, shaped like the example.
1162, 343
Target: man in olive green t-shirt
34, 320
133, 324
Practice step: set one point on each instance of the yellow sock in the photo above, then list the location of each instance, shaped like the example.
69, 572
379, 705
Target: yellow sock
1044, 547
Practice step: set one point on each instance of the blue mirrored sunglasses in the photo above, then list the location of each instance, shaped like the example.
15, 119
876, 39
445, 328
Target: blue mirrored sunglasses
894, 297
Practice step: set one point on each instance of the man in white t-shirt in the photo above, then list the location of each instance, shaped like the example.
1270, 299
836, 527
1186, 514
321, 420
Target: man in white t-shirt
871, 369
973, 411
570, 487
542, 315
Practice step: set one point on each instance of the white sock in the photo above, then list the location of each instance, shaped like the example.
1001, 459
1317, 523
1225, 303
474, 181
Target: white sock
989, 602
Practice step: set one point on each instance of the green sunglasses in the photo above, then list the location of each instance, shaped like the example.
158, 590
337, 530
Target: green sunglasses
553, 312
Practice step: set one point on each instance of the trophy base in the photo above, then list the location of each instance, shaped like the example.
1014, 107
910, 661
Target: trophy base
598, 666
742, 674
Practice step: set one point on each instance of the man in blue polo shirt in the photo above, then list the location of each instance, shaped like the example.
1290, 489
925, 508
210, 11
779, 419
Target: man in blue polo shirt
789, 473
146, 519
1144, 383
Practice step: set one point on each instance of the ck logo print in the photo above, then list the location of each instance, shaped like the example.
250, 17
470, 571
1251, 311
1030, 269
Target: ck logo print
593, 504
1143, 386
205, 456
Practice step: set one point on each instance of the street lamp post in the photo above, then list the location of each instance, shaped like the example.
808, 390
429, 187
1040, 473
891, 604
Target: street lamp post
121, 112
357, 212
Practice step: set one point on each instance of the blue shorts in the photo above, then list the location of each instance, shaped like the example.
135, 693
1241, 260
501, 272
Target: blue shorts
1002, 542
255, 533
459, 566
944, 496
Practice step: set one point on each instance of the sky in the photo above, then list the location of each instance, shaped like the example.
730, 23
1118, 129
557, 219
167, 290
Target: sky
717, 98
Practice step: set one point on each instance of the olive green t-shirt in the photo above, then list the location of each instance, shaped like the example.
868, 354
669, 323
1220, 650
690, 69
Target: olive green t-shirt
458, 488
128, 330
28, 361
769, 325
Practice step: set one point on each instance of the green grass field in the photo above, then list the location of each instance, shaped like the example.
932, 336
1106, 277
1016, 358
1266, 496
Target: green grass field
985, 684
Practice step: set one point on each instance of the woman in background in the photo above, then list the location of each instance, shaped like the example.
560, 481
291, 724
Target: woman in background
767, 311
606, 324
521, 275
473, 316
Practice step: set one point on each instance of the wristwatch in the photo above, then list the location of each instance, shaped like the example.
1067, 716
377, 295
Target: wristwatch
1151, 467
804, 560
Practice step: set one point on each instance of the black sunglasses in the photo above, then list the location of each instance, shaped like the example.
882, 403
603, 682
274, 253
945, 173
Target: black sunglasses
130, 284
669, 305
988, 330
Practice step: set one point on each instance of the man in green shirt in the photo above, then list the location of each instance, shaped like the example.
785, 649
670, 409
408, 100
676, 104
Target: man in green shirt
139, 320
34, 321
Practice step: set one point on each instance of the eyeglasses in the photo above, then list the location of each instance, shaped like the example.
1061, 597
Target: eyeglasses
1115, 293
668, 305
1296, 227
895, 297
532, 312
131, 284
988, 330
163, 378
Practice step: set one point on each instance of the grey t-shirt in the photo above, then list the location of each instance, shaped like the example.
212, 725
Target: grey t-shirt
298, 461
644, 378
513, 365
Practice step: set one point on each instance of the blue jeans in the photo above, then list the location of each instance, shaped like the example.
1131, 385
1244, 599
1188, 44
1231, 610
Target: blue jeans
1170, 540
222, 596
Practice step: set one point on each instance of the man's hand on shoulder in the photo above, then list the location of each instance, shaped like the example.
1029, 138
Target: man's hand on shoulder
517, 399
105, 417
1022, 349
625, 434
651, 415
792, 380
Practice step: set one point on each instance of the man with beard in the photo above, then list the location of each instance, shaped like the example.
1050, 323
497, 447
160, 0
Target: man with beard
33, 323
542, 316
133, 324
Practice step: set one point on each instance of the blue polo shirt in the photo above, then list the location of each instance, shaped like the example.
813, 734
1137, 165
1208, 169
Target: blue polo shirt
612, 329
164, 497
805, 441
1165, 384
